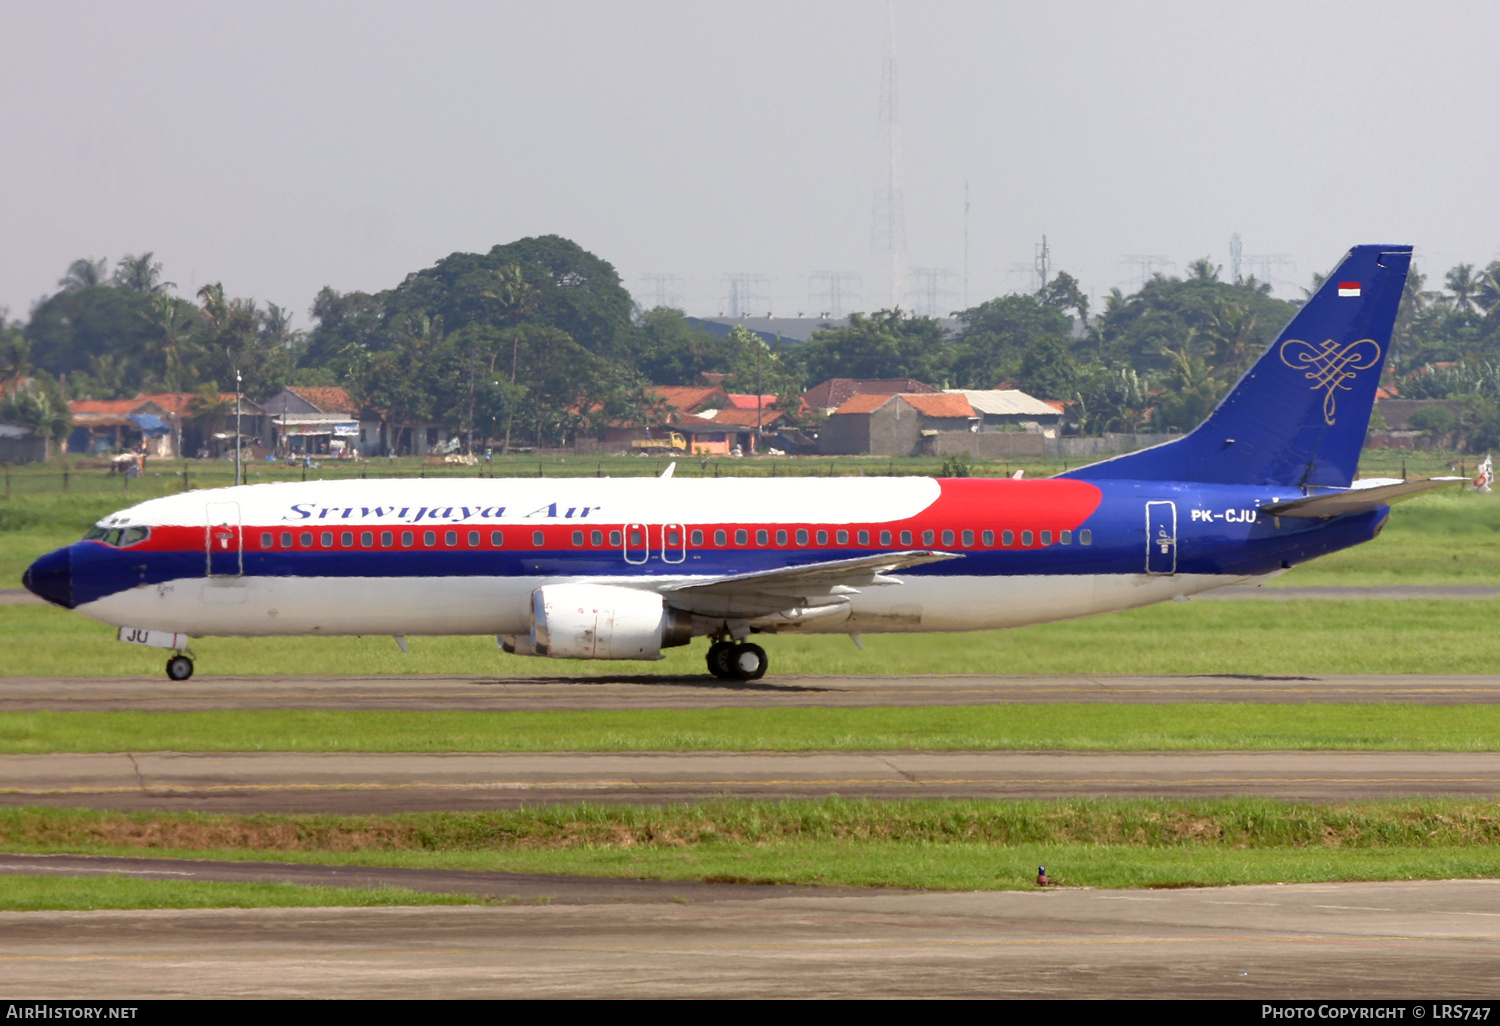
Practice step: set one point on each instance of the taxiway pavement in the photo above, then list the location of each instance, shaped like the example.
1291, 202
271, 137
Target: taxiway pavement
1426, 939
647, 691
406, 782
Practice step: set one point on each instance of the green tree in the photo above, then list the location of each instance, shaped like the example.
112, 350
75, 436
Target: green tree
886, 344
38, 404
1048, 369
996, 334
140, 274
85, 273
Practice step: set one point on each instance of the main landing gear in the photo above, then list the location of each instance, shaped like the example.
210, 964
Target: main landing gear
730, 660
179, 667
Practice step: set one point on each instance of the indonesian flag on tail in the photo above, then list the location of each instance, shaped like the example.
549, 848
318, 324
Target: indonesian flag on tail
1348, 288
1486, 474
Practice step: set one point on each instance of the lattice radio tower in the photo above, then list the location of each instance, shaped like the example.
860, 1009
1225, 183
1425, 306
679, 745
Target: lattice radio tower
1269, 265
888, 231
1235, 253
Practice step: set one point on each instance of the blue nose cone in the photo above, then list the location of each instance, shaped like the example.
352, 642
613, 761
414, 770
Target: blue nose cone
51, 577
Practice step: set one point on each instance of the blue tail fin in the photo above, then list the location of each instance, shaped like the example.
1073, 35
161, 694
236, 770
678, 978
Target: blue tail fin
1298, 417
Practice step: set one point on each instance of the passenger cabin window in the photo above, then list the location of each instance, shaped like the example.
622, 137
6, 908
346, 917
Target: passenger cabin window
473, 539
450, 538
407, 538
429, 537
762, 538
1007, 538
497, 538
927, 538
968, 539
696, 538
863, 537
537, 538
346, 539
1025, 539
885, 537
286, 539
267, 541
988, 539
1065, 537
1085, 537
578, 538
905, 537
720, 538
306, 539
822, 537
780, 537
1046, 537
387, 539
326, 539
947, 537
742, 537
367, 538
841, 537
614, 537
596, 537
801, 536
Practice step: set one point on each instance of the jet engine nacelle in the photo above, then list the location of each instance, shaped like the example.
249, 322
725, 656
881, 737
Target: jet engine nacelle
598, 621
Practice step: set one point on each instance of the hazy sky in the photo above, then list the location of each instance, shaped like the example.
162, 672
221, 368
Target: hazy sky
279, 147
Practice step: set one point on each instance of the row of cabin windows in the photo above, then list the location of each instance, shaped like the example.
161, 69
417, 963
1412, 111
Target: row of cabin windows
345, 539
474, 539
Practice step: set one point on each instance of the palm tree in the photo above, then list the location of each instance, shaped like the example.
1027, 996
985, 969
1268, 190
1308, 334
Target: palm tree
1232, 329
83, 274
140, 274
40, 408
1489, 288
211, 410
1465, 286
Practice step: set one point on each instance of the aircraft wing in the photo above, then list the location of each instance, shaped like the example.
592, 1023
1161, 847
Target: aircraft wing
806, 588
1357, 499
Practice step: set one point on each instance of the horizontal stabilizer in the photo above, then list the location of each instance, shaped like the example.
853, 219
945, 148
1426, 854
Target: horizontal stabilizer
1357, 499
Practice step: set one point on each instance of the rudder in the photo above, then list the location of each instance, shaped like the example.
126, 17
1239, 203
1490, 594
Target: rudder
1299, 415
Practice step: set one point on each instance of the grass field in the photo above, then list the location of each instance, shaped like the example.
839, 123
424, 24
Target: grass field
40, 893
946, 845
1196, 637
1176, 727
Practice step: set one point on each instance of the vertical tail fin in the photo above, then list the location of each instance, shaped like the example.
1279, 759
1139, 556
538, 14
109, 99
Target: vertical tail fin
1299, 416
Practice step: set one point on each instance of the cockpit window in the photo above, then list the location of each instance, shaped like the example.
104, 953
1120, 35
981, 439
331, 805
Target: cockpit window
118, 536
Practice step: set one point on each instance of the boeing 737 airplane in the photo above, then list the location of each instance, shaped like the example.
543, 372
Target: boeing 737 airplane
622, 569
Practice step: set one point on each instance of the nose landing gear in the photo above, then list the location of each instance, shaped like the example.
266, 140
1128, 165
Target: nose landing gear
179, 667
729, 660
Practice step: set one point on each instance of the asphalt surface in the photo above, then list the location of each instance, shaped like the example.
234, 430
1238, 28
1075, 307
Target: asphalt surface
645, 691
1438, 940
408, 782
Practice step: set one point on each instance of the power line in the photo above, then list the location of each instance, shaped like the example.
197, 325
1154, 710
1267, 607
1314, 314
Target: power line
832, 300
930, 293
660, 290
742, 296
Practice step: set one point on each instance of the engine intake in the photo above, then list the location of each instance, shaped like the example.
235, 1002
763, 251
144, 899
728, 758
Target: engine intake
599, 621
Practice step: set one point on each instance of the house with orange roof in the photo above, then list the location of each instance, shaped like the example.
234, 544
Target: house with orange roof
164, 422
894, 425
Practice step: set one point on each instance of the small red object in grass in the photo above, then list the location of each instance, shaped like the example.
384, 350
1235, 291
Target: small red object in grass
1041, 876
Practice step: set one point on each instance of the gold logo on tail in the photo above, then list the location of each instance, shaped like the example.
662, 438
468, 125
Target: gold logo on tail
1328, 367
